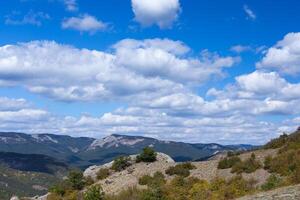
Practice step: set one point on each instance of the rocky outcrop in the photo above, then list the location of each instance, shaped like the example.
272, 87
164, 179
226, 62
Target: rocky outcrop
285, 193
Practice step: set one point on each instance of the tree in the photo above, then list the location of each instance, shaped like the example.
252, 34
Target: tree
76, 180
148, 155
94, 192
121, 163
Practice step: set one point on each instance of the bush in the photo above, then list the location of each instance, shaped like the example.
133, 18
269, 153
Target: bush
272, 182
76, 180
226, 163
248, 166
156, 180
102, 173
88, 181
148, 155
277, 142
58, 189
121, 163
94, 193
180, 169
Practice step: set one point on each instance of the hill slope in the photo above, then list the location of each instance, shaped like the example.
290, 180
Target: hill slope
83, 152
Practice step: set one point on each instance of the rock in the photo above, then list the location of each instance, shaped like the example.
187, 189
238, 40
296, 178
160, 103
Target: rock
285, 193
14, 198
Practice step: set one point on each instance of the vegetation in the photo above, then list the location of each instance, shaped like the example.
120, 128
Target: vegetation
273, 181
287, 161
76, 180
248, 166
228, 162
190, 189
157, 179
102, 173
148, 155
121, 163
180, 169
94, 192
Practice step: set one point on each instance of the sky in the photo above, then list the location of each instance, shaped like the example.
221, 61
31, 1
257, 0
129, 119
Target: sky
184, 70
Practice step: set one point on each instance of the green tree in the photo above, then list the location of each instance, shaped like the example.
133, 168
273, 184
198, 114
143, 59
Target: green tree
76, 180
94, 192
148, 155
121, 163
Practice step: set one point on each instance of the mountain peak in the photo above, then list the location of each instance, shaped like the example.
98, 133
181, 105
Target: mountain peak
115, 141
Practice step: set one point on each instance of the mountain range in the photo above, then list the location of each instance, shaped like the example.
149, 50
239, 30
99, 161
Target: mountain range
83, 151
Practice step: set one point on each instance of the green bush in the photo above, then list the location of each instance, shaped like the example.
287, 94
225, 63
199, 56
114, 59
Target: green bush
94, 192
180, 169
248, 166
102, 173
277, 142
58, 189
228, 162
121, 163
272, 182
148, 155
76, 180
157, 179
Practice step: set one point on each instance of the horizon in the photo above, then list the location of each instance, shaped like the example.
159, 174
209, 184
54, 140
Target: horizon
173, 70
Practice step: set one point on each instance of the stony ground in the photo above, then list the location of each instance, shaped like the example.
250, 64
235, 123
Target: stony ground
206, 170
285, 193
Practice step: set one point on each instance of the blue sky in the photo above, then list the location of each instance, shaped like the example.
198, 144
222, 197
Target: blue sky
186, 70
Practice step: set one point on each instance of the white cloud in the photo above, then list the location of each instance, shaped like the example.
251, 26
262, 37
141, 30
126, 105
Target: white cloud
249, 12
84, 23
162, 13
71, 5
71, 74
240, 48
284, 56
32, 18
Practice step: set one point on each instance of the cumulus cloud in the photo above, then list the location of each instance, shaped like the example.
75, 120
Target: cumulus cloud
84, 23
161, 13
32, 18
71, 74
284, 56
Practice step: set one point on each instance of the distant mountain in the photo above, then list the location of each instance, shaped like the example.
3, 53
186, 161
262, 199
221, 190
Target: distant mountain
28, 174
83, 152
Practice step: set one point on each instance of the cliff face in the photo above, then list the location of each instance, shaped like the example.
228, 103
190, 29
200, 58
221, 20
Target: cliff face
285, 193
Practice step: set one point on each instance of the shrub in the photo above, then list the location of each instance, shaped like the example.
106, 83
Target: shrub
121, 163
277, 142
94, 193
272, 182
267, 162
156, 180
89, 181
226, 163
76, 180
147, 155
180, 169
248, 166
200, 190
58, 189
102, 173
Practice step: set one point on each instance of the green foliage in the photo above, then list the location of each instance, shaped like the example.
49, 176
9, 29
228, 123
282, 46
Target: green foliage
277, 142
248, 166
88, 181
180, 169
157, 179
267, 162
94, 192
233, 153
121, 163
148, 155
228, 162
102, 173
272, 182
76, 180
59, 189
